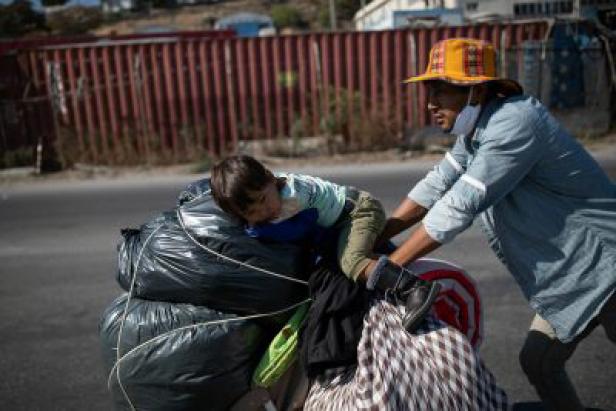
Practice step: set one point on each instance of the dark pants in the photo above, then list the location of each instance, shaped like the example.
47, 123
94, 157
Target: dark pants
543, 359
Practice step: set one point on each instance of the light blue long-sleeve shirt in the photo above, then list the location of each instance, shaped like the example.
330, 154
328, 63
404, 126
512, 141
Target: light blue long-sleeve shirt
547, 207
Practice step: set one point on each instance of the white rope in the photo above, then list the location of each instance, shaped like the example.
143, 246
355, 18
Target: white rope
214, 322
124, 315
240, 263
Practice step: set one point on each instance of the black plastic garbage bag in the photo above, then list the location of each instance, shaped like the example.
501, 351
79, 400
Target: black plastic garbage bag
197, 254
170, 361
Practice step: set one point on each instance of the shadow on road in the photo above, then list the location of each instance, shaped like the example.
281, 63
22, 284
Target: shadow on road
537, 406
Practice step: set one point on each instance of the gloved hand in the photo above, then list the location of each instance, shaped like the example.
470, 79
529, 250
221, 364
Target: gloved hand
406, 288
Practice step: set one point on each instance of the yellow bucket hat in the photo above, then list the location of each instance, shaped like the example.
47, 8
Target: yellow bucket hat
465, 62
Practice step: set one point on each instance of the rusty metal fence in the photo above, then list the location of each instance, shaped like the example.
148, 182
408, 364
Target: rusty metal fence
173, 100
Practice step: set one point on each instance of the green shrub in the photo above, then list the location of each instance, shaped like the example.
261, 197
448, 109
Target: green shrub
345, 10
18, 18
287, 16
20, 157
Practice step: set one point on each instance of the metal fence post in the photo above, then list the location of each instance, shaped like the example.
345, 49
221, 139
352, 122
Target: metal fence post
317, 63
3, 133
58, 105
230, 96
503, 54
413, 64
140, 101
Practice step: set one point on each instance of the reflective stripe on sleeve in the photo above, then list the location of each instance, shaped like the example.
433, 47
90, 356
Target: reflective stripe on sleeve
453, 162
474, 182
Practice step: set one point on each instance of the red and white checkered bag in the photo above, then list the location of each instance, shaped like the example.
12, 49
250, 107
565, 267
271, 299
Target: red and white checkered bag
435, 368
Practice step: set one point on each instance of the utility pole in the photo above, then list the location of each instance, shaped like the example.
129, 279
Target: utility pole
363, 18
332, 14
577, 13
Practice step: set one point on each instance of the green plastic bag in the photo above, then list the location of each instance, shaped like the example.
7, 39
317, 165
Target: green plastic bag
281, 352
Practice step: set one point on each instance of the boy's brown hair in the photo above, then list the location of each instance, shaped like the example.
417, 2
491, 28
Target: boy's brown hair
235, 179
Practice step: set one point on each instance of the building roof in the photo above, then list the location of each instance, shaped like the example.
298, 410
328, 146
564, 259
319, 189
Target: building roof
244, 18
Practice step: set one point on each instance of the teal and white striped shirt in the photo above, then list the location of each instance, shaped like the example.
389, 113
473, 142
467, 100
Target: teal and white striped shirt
301, 192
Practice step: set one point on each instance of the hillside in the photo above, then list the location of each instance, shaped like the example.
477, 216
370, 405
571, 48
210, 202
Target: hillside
202, 17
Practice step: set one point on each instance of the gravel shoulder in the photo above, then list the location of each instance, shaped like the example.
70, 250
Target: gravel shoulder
604, 150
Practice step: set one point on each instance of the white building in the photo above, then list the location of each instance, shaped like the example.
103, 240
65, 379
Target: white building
482, 9
53, 9
389, 14
116, 6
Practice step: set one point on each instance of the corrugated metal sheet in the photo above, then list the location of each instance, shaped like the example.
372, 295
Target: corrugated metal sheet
176, 99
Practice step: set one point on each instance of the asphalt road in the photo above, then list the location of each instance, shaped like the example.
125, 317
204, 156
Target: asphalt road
57, 254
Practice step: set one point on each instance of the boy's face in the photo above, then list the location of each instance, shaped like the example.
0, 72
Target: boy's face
266, 205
